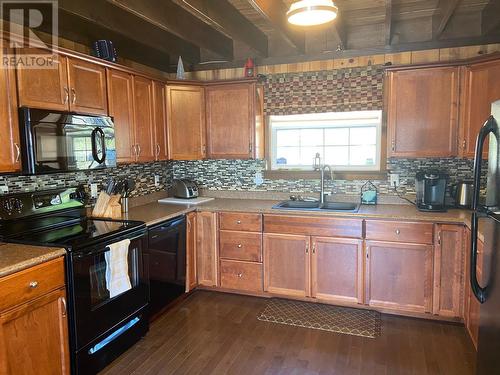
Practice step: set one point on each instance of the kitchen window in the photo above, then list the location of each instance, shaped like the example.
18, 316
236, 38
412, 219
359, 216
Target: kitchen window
348, 141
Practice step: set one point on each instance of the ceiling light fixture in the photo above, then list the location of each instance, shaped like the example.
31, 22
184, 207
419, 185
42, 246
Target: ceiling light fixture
312, 12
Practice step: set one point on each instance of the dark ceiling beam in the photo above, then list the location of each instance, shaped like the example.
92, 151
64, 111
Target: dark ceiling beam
101, 13
446, 8
490, 18
176, 20
275, 12
224, 15
388, 22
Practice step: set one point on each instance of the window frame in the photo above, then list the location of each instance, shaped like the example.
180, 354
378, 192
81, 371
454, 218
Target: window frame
341, 120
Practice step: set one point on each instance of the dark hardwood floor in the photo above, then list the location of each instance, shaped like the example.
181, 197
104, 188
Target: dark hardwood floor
216, 333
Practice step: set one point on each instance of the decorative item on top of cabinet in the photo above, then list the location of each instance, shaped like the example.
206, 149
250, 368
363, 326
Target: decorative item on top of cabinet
207, 248
160, 120
186, 122
143, 120
10, 153
448, 270
422, 117
231, 120
121, 102
481, 87
33, 321
191, 277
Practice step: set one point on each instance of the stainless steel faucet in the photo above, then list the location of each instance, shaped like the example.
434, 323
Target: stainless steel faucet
322, 171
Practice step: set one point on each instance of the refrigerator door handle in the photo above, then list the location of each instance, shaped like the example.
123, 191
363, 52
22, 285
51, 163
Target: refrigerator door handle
479, 292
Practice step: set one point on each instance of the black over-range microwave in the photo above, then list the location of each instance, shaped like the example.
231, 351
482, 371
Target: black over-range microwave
53, 142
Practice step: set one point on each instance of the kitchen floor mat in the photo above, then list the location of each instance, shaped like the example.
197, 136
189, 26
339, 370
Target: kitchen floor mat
356, 322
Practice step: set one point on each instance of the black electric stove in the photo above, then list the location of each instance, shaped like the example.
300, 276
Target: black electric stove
102, 323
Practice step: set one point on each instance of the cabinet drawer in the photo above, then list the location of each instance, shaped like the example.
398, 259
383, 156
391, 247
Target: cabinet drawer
31, 283
240, 246
313, 226
241, 275
395, 231
240, 221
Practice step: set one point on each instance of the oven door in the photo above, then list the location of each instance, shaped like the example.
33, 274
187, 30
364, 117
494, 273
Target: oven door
96, 308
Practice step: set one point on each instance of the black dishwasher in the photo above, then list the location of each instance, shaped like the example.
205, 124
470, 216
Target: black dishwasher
167, 262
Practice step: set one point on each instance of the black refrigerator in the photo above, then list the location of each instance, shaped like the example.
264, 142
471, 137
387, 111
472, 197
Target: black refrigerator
487, 211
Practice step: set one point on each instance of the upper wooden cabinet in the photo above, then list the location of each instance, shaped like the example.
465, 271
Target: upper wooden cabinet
72, 85
10, 153
144, 128
481, 87
160, 120
233, 130
121, 101
186, 122
422, 117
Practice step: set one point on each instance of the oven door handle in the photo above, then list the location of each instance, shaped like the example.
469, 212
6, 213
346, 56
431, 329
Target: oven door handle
80, 255
98, 132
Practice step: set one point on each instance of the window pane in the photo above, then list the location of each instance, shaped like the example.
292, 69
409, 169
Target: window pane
334, 137
364, 136
307, 155
287, 137
287, 156
363, 155
311, 137
337, 155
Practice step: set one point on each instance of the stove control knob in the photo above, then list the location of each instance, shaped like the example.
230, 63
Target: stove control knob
13, 205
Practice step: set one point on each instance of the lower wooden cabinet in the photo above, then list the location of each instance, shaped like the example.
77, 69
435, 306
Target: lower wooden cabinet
239, 275
286, 264
399, 276
206, 248
191, 276
337, 269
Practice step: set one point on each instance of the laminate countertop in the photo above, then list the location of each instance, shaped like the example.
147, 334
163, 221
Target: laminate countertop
14, 257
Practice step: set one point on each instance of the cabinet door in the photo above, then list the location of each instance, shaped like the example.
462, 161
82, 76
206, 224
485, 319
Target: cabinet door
448, 271
399, 276
481, 88
143, 119
87, 85
120, 96
231, 121
186, 122
191, 280
160, 121
423, 112
206, 248
44, 88
34, 337
286, 264
337, 269
10, 153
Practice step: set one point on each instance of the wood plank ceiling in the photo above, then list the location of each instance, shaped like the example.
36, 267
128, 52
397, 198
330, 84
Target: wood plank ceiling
222, 33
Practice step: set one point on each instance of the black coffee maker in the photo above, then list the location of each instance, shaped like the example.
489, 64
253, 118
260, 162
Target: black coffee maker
431, 190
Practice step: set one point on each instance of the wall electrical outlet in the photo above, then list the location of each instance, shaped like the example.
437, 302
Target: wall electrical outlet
258, 179
4, 189
157, 180
394, 179
93, 191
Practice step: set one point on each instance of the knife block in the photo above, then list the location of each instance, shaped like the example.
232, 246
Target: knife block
108, 206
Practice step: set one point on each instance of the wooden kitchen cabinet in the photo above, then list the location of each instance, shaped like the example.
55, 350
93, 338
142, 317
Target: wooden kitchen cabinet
481, 87
286, 264
191, 276
337, 269
232, 130
422, 117
186, 122
399, 276
448, 271
33, 321
160, 120
121, 102
144, 127
10, 153
206, 248
87, 87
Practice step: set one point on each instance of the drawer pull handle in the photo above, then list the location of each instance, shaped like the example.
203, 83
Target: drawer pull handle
33, 284
398, 231
239, 246
240, 275
238, 221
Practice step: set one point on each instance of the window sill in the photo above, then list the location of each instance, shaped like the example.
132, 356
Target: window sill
315, 175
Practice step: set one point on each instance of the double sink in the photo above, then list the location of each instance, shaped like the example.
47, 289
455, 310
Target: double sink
317, 206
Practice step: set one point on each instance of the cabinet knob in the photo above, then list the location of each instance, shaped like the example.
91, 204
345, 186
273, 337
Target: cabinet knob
238, 246
33, 284
238, 221
398, 231
240, 275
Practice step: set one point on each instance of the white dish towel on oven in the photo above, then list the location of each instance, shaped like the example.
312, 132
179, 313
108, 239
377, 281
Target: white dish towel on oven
117, 278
